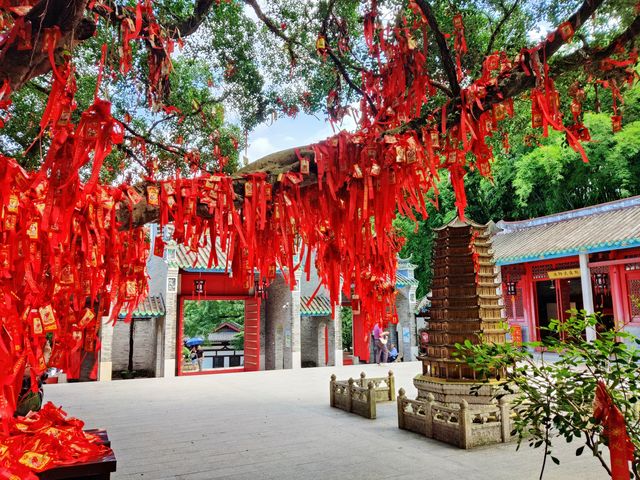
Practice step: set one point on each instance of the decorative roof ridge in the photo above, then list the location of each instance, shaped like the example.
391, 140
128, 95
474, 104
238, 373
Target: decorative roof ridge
624, 203
458, 223
229, 323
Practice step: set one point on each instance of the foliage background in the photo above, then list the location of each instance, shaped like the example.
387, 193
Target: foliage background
202, 317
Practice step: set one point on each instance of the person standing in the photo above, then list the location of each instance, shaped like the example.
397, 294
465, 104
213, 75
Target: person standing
200, 356
193, 355
380, 343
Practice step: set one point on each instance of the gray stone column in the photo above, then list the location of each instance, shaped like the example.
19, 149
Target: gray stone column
295, 356
105, 366
277, 312
587, 292
170, 323
159, 363
405, 305
335, 340
412, 324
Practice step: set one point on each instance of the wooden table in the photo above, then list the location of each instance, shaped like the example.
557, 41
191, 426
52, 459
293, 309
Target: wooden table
92, 470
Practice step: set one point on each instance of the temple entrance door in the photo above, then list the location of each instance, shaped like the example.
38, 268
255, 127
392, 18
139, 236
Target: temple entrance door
252, 335
554, 299
547, 304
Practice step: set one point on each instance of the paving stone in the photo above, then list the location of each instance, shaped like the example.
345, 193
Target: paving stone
278, 425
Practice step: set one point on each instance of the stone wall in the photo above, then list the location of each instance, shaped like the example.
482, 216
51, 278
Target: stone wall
312, 339
144, 345
309, 340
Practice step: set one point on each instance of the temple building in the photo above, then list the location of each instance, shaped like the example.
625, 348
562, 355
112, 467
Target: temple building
584, 259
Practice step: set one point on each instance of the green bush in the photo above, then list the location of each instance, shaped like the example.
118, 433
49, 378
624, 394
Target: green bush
554, 394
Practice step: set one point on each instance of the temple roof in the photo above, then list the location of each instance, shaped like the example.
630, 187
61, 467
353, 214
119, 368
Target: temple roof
191, 261
320, 306
608, 226
405, 281
150, 307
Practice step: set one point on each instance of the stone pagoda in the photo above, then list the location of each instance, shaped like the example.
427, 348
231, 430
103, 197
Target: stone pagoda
464, 300
465, 305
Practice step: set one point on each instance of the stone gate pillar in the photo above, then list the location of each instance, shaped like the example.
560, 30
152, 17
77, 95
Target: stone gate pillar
106, 340
169, 331
335, 339
296, 355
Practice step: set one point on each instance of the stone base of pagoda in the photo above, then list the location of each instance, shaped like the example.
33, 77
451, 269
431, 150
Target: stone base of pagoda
451, 392
451, 412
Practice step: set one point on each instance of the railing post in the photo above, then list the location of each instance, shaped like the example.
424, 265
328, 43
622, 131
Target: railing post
349, 393
428, 416
362, 377
391, 383
371, 400
332, 391
465, 425
505, 419
401, 399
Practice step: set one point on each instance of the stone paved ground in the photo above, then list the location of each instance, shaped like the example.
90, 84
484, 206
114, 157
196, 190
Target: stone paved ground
278, 425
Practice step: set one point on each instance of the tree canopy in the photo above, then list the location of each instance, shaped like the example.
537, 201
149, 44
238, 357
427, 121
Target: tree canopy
202, 317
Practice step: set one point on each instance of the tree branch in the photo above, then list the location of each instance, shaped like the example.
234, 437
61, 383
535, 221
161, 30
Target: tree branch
445, 54
19, 66
168, 148
343, 72
552, 44
115, 14
590, 59
338, 63
191, 24
496, 31
273, 28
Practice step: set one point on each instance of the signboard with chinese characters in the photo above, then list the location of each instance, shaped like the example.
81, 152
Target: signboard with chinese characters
198, 287
568, 273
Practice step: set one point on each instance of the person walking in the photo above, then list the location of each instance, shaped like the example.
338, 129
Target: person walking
380, 338
193, 356
200, 357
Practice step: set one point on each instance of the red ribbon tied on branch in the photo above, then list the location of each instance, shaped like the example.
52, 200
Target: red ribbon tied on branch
621, 448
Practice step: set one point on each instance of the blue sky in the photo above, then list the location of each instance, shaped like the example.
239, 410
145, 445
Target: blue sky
290, 132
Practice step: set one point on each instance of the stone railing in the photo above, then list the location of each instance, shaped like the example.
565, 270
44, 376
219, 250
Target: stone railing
464, 425
360, 396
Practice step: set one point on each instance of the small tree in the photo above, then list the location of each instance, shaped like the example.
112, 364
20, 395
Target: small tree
238, 341
555, 396
346, 317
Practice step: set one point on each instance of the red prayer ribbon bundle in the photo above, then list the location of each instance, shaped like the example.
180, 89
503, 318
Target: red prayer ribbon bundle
621, 449
44, 440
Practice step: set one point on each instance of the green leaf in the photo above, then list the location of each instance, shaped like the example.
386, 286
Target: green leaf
555, 460
579, 451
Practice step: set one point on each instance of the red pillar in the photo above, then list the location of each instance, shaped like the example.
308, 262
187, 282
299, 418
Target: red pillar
529, 303
360, 339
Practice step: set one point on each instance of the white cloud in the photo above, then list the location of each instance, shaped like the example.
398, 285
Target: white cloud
259, 147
